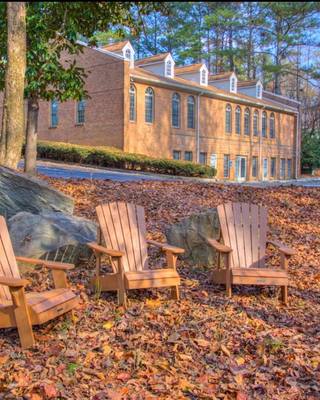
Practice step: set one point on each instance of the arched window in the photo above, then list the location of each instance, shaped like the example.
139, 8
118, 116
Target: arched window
228, 119
149, 105
81, 112
238, 120
191, 109
272, 126
204, 77
264, 124
169, 68
175, 110
54, 117
128, 54
132, 93
247, 121
256, 123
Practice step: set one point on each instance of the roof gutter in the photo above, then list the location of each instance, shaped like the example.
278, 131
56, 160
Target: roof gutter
208, 93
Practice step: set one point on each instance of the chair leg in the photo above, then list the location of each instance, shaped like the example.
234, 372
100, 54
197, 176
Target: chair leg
228, 283
23, 320
284, 293
122, 298
175, 292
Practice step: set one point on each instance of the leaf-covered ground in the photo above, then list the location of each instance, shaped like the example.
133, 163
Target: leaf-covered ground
203, 347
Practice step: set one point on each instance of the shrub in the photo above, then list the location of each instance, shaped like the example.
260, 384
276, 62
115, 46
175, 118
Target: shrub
115, 158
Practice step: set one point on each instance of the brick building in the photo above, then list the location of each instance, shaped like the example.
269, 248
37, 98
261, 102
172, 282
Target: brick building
150, 106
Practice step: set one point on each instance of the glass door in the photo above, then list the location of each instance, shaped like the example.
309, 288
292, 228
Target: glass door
241, 168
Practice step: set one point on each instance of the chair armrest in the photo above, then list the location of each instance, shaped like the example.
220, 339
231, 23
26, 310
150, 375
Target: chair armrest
218, 246
101, 249
46, 263
13, 282
166, 247
287, 251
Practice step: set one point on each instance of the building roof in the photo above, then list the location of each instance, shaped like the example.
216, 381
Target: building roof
218, 77
252, 82
115, 46
188, 68
177, 82
152, 59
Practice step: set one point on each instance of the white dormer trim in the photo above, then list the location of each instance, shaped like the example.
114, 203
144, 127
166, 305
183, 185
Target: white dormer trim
204, 75
128, 54
169, 66
233, 83
259, 89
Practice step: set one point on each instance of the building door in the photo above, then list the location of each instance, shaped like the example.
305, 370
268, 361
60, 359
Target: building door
265, 168
241, 168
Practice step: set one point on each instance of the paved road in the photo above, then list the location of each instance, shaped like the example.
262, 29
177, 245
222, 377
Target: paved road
65, 171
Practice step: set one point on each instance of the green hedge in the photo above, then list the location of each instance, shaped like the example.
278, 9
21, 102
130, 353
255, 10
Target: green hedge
115, 158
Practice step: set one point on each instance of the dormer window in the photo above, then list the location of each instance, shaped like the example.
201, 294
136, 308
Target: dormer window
259, 90
169, 68
128, 54
203, 77
233, 85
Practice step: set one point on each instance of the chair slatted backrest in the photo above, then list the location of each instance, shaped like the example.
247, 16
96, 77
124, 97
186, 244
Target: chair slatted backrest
244, 229
8, 263
123, 228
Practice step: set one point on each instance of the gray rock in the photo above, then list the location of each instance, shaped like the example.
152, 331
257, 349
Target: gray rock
18, 192
190, 234
51, 235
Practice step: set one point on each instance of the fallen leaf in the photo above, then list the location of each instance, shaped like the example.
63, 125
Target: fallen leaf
225, 350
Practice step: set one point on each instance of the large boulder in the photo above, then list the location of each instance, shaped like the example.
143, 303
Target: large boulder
190, 234
18, 192
51, 235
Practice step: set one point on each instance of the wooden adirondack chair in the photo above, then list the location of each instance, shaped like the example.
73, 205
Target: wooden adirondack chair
122, 236
20, 309
243, 229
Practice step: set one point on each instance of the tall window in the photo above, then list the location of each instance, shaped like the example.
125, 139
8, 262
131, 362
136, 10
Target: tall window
265, 168
264, 124
132, 93
169, 68
191, 109
175, 110
188, 155
259, 91
282, 168
272, 126
247, 121
273, 167
233, 85
176, 154
228, 119
238, 120
81, 112
54, 117
149, 105
256, 123
254, 166
289, 168
226, 166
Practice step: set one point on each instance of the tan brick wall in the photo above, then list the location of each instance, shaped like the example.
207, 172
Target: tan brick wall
160, 138
104, 123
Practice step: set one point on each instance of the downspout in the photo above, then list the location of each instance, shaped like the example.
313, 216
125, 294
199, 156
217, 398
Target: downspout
260, 149
198, 129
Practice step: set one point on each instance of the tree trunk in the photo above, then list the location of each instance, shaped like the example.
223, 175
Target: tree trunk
30, 156
13, 124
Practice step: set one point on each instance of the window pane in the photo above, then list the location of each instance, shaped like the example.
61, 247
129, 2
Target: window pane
254, 166
203, 158
226, 166
238, 120
168, 68
282, 168
264, 124
191, 119
176, 154
289, 172
228, 119
149, 105
175, 110
132, 103
256, 123
54, 114
272, 126
273, 167
188, 155
247, 122
81, 107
